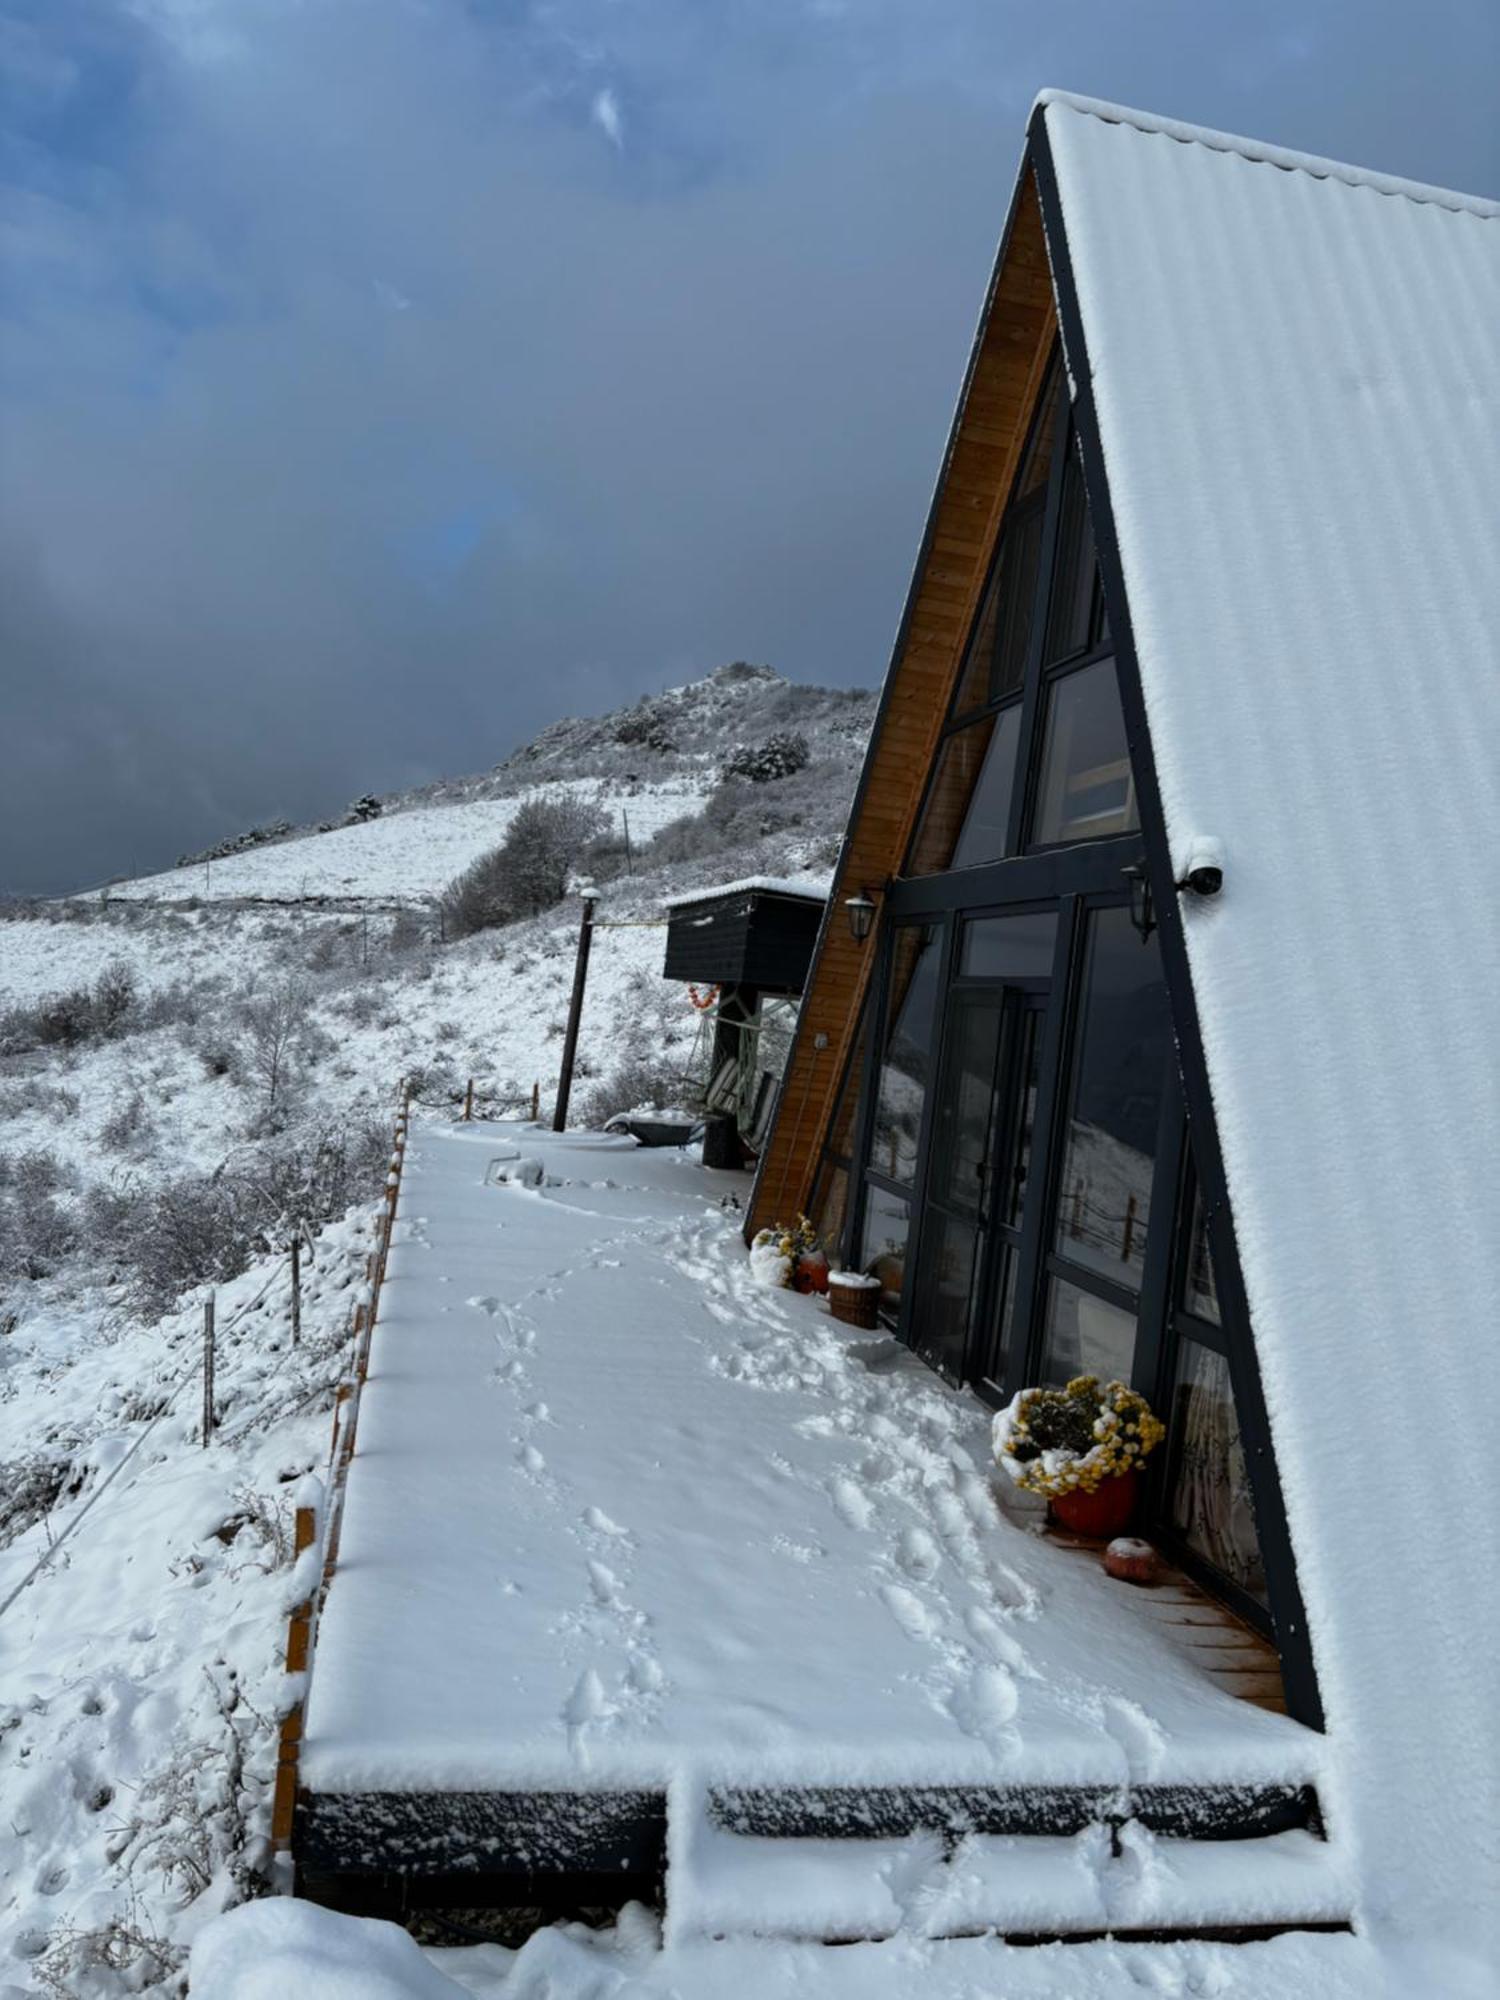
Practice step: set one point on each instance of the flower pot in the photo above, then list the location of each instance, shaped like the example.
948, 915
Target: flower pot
811, 1274
1104, 1512
854, 1298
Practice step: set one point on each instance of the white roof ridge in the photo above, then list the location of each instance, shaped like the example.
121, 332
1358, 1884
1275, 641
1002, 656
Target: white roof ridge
1261, 154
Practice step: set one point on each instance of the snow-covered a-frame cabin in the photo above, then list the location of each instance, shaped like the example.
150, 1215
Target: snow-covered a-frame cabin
1171, 1051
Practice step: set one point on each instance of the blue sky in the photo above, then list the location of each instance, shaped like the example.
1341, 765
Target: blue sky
381, 378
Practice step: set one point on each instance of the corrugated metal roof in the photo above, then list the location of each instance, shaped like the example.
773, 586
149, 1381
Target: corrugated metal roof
1297, 379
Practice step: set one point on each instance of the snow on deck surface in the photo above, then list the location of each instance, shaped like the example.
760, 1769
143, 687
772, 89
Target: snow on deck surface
618, 1516
1297, 374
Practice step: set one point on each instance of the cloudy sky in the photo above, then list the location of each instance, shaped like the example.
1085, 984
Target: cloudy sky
385, 378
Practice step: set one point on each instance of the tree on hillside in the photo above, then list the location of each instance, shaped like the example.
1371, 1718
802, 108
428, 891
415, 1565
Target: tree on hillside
529, 871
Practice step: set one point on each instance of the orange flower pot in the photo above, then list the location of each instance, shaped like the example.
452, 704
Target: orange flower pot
1104, 1512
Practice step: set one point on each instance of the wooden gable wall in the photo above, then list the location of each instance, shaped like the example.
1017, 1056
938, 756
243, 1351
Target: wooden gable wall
1005, 377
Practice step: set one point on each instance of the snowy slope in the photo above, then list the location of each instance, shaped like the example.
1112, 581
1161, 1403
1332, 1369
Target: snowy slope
405, 855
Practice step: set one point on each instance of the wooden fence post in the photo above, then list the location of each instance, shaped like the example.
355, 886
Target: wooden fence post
208, 1369
536, 1103
297, 1286
469, 1101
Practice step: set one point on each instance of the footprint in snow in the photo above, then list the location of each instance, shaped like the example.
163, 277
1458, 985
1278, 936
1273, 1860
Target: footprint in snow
989, 1633
1138, 1734
587, 1704
918, 1554
604, 1584
531, 1460
596, 1519
852, 1503
985, 1705
910, 1613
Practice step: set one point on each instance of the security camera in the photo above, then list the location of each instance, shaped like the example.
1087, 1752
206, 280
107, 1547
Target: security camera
1204, 869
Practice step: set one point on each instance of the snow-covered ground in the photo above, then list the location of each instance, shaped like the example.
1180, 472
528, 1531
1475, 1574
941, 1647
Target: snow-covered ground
702, 1532
404, 856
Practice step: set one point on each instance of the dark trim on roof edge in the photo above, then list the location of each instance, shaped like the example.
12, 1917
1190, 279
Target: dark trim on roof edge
1289, 1615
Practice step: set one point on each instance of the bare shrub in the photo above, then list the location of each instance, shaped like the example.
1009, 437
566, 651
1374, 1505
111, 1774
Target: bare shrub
37, 1231
275, 1032
640, 1082
204, 1229
114, 997
30, 1487
130, 1127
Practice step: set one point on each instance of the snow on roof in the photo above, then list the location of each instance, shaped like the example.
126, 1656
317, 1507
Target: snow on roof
1298, 394
1259, 151
809, 888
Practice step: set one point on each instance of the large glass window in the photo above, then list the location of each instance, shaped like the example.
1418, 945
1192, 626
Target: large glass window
1123, 1041
1199, 1286
906, 1067
1073, 604
1086, 1335
1009, 948
883, 1244
968, 808
1087, 789
1212, 1508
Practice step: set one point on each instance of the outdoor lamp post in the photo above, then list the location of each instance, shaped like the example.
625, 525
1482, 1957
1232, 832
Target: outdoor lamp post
860, 911
590, 896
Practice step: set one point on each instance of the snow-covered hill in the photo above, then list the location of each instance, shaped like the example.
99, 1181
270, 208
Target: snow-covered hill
165, 1143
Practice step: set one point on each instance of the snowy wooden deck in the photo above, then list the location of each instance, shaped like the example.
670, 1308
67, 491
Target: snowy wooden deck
638, 1559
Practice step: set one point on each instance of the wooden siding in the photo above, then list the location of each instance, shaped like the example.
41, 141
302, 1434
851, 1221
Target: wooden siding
989, 433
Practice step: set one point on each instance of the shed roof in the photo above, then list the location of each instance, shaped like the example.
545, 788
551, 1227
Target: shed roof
805, 888
1296, 372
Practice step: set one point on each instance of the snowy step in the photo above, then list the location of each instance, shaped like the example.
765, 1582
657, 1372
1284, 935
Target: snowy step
1213, 1812
1126, 1879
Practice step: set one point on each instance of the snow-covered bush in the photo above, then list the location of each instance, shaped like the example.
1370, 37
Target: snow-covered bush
366, 807
114, 997
638, 1083
781, 753
204, 1229
528, 872
38, 1232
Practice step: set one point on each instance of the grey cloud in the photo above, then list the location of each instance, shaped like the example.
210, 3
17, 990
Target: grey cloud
367, 407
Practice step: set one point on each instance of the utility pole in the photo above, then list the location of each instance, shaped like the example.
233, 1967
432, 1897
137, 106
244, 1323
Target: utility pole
575, 1007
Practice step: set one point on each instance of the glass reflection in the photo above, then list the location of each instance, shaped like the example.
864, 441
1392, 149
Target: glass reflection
1085, 1336
1119, 1069
968, 809
1212, 1507
883, 1244
1087, 789
906, 1067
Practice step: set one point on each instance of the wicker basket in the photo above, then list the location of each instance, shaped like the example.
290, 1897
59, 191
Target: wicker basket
854, 1298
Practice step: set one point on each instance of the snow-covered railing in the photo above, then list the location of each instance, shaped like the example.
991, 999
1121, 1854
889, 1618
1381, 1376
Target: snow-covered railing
320, 1507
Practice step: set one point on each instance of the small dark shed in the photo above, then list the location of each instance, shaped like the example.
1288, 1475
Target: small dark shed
757, 933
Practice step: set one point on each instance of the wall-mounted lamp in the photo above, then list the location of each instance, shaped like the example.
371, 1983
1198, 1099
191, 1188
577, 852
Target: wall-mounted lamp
860, 911
1142, 909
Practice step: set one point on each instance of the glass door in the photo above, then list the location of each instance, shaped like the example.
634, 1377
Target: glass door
955, 1212
979, 1146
